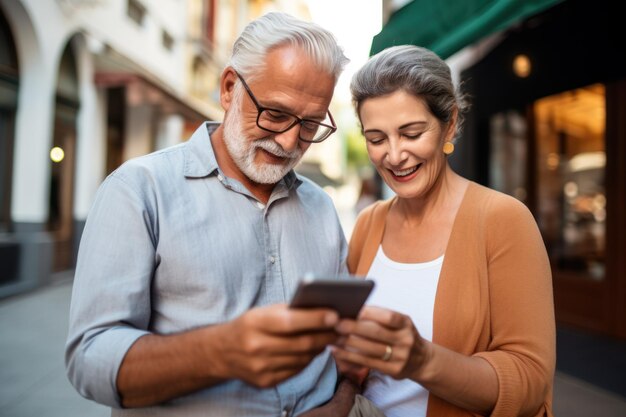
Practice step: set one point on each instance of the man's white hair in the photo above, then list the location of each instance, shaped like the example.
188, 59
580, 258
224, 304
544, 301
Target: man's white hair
275, 29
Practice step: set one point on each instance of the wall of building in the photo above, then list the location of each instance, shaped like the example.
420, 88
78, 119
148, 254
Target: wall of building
104, 39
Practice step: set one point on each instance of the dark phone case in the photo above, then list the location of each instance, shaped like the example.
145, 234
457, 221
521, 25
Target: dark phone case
346, 296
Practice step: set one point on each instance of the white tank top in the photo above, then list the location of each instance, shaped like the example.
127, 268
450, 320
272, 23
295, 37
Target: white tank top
409, 289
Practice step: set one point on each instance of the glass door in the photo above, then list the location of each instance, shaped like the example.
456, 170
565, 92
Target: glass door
570, 171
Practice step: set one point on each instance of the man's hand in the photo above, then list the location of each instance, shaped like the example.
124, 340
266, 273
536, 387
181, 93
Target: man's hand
263, 347
267, 345
340, 405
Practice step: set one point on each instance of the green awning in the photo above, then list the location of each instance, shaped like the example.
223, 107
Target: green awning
448, 26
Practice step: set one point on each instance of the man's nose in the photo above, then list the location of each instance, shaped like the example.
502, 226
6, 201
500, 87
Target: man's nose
288, 140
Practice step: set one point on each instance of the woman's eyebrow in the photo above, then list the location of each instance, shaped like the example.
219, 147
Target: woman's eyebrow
410, 124
404, 126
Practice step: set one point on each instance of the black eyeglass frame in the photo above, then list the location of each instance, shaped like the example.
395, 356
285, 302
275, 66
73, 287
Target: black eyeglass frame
297, 120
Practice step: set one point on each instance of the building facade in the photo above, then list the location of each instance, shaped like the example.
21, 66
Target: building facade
84, 86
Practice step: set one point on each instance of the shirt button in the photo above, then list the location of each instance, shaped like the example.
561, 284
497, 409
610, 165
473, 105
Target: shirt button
219, 177
260, 205
273, 260
285, 413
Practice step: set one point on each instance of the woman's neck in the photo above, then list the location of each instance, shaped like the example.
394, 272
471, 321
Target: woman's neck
445, 195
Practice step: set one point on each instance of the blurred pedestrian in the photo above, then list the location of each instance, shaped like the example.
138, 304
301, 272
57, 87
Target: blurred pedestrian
461, 321
189, 254
367, 195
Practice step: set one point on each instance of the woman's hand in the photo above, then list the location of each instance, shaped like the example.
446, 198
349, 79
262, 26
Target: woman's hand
384, 340
387, 341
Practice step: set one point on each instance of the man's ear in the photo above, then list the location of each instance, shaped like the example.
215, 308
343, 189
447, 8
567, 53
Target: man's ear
227, 87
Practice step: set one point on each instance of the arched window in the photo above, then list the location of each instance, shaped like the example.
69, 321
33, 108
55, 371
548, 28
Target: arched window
9, 84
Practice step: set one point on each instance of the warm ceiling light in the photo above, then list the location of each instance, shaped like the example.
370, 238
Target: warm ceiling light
57, 154
521, 66
553, 161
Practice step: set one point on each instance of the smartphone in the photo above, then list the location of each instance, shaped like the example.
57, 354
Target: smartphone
344, 295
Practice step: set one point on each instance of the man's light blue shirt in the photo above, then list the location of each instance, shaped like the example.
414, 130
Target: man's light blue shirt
172, 244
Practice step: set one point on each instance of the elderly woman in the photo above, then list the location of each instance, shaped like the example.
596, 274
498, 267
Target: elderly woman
462, 318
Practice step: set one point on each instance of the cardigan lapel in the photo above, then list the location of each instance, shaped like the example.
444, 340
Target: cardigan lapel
374, 237
452, 300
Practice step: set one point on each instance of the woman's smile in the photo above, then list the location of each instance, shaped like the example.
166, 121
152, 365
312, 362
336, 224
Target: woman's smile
405, 175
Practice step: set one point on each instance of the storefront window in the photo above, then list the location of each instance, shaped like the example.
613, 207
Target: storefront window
570, 169
508, 160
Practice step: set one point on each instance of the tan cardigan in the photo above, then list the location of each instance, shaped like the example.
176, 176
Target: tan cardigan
494, 297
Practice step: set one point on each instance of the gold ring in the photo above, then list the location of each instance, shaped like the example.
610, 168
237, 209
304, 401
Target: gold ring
388, 352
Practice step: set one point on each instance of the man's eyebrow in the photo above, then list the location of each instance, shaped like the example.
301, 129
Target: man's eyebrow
281, 108
273, 105
317, 117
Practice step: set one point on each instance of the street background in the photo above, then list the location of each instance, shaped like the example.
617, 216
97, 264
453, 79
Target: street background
88, 84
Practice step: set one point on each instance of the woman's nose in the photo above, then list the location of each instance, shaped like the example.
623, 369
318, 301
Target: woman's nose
396, 155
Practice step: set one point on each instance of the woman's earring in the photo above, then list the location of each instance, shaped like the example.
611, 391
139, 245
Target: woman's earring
448, 148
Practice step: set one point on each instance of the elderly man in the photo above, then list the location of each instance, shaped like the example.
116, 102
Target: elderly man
190, 254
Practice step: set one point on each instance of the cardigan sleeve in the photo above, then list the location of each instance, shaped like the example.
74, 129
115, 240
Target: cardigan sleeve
522, 346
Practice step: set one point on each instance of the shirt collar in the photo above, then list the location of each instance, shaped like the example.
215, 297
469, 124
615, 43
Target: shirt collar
291, 180
200, 159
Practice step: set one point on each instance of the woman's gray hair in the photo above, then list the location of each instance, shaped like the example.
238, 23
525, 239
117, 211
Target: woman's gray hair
415, 70
275, 29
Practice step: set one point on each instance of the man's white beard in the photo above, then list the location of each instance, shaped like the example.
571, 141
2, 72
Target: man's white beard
243, 149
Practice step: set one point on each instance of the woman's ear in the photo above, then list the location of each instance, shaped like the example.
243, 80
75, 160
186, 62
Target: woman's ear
227, 87
451, 130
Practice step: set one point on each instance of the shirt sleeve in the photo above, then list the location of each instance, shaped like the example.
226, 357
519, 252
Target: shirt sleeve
343, 257
343, 244
110, 306
522, 348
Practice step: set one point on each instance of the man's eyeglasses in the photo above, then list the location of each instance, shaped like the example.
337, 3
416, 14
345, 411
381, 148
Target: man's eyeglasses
278, 121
